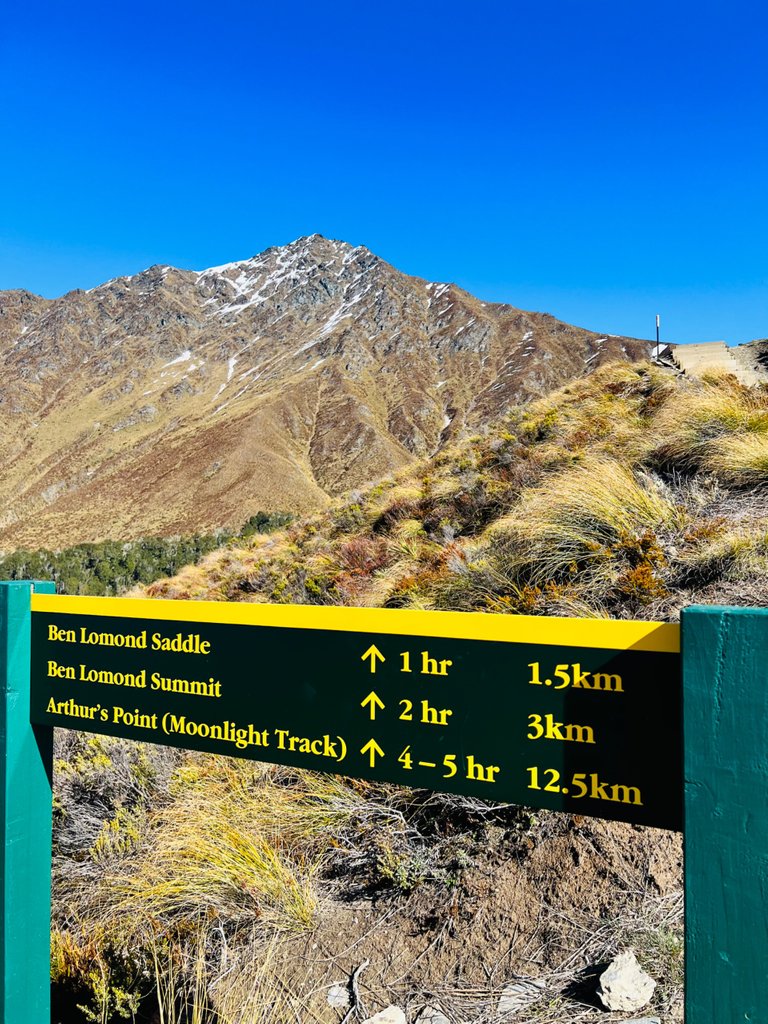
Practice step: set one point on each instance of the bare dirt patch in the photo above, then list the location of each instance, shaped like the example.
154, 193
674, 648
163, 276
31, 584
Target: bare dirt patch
547, 908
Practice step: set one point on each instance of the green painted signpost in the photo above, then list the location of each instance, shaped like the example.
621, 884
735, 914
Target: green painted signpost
590, 716
725, 681
25, 817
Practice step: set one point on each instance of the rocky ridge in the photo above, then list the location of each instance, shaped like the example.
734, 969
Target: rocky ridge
177, 400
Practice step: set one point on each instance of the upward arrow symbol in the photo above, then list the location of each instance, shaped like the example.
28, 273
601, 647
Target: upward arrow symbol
373, 653
373, 701
372, 748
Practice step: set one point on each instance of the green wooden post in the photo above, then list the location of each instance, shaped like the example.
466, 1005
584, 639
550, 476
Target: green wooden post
25, 823
725, 695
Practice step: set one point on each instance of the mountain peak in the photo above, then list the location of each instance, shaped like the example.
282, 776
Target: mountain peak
313, 247
184, 398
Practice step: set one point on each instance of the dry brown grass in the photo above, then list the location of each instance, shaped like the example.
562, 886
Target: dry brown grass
579, 504
718, 427
627, 494
576, 520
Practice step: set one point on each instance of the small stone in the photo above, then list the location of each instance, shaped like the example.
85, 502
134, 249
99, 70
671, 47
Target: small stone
338, 996
432, 1015
624, 985
390, 1015
519, 995
645, 1020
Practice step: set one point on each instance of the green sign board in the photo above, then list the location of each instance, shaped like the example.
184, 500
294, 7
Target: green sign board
566, 714
583, 715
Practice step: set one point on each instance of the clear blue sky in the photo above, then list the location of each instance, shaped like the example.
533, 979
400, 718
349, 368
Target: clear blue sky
599, 160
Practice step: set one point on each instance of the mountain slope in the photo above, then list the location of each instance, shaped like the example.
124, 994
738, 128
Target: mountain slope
174, 401
630, 493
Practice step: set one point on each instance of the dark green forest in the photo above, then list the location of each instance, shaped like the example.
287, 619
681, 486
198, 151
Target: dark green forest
110, 567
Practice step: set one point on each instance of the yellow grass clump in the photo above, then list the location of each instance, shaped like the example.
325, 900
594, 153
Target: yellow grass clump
717, 427
580, 518
741, 460
629, 493
578, 501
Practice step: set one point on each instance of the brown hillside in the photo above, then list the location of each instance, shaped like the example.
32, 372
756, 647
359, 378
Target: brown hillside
630, 493
257, 891
175, 401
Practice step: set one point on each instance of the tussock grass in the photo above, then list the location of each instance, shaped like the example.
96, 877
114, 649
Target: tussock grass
587, 522
248, 991
206, 858
741, 460
578, 504
243, 842
231, 871
232, 855
180, 974
628, 493
717, 427
729, 555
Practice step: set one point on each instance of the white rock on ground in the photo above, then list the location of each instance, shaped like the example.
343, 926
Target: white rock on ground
338, 996
390, 1015
624, 985
520, 994
645, 1020
432, 1015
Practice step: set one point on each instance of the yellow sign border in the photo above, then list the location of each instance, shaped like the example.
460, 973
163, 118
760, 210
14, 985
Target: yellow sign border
609, 634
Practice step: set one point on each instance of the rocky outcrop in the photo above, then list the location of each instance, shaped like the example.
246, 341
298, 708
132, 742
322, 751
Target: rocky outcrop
624, 985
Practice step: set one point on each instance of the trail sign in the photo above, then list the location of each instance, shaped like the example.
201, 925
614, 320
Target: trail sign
314, 684
567, 714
